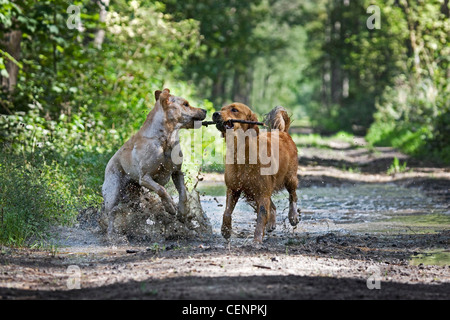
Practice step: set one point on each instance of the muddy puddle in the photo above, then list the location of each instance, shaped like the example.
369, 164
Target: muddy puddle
365, 209
347, 211
326, 209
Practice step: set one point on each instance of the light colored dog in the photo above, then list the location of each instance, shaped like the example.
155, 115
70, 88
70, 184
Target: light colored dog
146, 159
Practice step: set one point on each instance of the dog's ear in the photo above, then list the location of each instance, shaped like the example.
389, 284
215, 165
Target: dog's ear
253, 117
164, 97
157, 94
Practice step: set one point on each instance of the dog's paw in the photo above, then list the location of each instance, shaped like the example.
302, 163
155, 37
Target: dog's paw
257, 244
182, 213
271, 226
226, 232
170, 207
293, 219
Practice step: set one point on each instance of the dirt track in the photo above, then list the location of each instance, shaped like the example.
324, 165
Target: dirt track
332, 264
326, 267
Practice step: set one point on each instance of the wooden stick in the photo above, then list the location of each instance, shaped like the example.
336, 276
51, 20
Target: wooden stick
207, 123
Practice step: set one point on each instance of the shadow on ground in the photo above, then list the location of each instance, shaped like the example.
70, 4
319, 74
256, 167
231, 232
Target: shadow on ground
247, 287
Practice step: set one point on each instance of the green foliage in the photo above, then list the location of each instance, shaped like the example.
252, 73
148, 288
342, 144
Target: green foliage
234, 34
50, 170
414, 118
144, 53
354, 63
396, 167
34, 195
406, 139
74, 104
412, 113
414, 140
319, 141
210, 157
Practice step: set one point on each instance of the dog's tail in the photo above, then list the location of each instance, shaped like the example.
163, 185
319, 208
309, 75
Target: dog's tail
278, 118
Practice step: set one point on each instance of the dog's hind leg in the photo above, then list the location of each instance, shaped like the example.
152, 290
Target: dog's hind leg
232, 199
130, 191
263, 211
178, 181
111, 191
272, 221
149, 183
291, 187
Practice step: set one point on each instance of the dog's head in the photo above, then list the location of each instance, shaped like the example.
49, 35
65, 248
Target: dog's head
178, 110
237, 111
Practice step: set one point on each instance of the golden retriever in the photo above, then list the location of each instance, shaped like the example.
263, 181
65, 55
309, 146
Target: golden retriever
252, 178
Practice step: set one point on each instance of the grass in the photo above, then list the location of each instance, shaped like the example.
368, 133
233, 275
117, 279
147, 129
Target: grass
350, 169
301, 122
424, 220
318, 141
47, 176
212, 189
434, 257
396, 167
33, 197
416, 141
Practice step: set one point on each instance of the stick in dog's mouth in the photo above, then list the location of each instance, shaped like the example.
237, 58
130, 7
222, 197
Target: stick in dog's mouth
220, 125
229, 124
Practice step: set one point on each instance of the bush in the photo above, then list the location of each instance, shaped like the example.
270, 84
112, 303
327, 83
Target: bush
33, 196
409, 139
413, 116
49, 170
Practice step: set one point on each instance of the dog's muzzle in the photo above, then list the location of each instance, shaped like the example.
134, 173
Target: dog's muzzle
220, 124
217, 117
202, 116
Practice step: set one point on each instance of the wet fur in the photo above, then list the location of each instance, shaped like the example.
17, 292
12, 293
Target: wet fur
247, 179
145, 160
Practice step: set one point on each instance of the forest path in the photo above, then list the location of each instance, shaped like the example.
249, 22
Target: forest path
349, 160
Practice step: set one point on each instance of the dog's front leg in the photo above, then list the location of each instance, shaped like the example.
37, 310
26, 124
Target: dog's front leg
149, 183
272, 220
232, 199
178, 181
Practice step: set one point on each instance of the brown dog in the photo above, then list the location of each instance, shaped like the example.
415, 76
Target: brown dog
152, 156
253, 178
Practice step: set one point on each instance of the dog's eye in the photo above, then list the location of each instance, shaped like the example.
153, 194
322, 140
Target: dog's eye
234, 110
186, 104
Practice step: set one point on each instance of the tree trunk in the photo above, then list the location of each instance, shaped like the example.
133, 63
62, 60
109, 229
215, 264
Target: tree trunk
336, 65
218, 90
445, 9
11, 43
336, 81
100, 33
241, 86
412, 37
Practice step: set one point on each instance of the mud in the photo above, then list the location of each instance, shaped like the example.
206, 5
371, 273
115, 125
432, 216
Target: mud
363, 234
142, 218
332, 266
